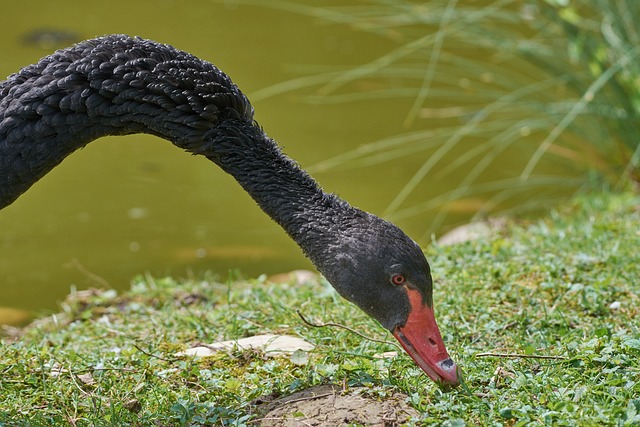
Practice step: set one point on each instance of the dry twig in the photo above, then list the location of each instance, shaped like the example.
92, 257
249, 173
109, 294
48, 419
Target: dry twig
338, 325
520, 356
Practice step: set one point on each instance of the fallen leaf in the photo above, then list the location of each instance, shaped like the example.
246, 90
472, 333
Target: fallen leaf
272, 345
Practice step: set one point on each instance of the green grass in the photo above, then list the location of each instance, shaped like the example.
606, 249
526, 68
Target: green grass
542, 287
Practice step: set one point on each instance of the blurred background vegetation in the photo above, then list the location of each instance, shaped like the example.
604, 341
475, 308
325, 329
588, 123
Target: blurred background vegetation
524, 102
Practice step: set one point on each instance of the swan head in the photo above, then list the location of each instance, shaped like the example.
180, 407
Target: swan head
375, 265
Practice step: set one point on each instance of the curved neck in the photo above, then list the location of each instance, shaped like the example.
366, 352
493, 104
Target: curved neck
117, 85
285, 192
114, 85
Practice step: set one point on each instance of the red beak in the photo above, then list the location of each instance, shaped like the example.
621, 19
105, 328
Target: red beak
421, 339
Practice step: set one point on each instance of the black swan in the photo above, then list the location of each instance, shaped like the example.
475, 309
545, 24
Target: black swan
118, 85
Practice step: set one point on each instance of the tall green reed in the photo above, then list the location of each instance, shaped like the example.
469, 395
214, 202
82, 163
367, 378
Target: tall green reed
511, 103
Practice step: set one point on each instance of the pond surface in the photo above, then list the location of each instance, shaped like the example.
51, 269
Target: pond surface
125, 206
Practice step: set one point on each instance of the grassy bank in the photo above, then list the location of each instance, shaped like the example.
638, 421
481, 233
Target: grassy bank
565, 288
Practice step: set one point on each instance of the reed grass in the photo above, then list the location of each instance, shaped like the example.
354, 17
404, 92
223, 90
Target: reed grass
513, 93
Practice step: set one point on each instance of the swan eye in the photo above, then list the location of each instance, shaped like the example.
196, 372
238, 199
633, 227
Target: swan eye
398, 279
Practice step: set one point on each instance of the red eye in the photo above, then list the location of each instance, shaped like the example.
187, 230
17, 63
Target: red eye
397, 279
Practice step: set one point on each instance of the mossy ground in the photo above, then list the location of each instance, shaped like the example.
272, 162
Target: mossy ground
567, 287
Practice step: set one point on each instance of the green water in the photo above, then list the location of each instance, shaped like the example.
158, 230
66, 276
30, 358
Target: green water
129, 205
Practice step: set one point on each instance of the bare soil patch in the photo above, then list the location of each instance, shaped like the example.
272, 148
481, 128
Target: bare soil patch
328, 405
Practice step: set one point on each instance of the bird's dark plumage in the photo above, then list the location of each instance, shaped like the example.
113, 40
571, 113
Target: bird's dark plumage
117, 85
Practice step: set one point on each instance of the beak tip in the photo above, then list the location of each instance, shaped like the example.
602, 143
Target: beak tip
450, 373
